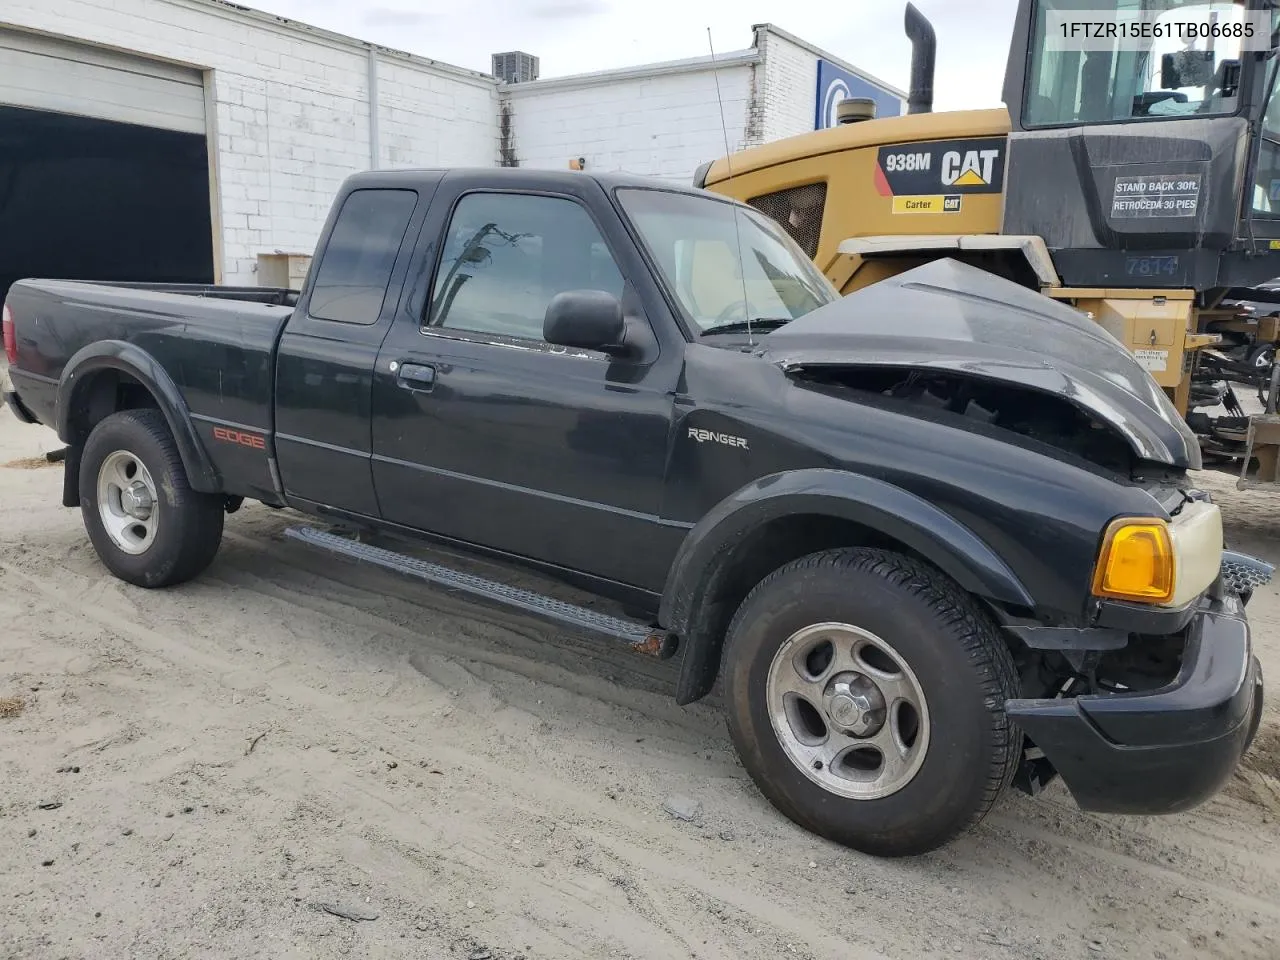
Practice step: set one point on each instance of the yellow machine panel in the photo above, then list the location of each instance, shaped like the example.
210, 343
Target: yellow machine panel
937, 173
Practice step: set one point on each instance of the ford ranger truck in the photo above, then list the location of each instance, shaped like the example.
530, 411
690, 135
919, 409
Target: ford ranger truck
931, 540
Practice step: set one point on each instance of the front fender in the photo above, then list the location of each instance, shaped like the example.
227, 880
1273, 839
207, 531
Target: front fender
137, 363
882, 507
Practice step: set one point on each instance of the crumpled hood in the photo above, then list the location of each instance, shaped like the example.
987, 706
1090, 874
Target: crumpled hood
947, 315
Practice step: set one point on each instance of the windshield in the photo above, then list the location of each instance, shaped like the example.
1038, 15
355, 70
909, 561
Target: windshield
725, 274
1180, 58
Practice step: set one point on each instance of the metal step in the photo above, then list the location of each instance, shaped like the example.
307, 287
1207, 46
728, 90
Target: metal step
642, 638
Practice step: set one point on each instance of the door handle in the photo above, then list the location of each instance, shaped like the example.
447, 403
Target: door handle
416, 376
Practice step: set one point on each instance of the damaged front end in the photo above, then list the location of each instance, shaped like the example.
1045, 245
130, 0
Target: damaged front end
950, 336
1140, 707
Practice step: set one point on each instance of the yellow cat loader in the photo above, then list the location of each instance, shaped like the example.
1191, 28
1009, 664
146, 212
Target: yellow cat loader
1139, 182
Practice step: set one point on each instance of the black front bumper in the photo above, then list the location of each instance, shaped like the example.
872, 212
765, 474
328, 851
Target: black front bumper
22, 413
1165, 750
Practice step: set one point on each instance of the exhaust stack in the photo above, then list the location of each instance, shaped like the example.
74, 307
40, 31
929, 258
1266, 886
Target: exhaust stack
855, 110
923, 48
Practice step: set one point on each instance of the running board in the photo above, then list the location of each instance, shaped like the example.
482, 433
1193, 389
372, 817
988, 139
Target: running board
641, 638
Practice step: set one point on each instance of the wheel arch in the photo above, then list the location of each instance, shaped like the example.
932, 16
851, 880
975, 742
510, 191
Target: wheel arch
112, 375
782, 517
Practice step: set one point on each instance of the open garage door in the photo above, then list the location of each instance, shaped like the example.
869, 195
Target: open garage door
104, 166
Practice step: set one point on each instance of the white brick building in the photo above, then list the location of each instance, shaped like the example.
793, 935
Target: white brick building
283, 110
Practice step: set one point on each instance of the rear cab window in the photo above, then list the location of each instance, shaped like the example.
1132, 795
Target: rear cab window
355, 267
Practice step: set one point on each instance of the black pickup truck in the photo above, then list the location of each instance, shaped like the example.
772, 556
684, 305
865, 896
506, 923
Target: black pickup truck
934, 538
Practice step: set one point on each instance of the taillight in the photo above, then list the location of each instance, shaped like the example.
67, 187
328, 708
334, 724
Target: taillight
10, 335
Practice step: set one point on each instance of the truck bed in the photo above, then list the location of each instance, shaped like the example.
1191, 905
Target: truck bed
216, 343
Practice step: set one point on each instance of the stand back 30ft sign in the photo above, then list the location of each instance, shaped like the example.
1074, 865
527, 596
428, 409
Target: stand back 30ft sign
836, 83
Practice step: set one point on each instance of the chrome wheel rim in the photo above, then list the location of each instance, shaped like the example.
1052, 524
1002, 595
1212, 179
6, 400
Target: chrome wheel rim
848, 711
128, 504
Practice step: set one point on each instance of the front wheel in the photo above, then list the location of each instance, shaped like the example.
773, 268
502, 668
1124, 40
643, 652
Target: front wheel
866, 698
146, 523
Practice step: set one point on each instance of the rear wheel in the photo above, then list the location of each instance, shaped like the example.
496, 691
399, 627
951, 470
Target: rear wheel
866, 699
146, 523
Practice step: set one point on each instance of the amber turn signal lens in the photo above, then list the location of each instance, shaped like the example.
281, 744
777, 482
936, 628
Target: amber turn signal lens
1136, 561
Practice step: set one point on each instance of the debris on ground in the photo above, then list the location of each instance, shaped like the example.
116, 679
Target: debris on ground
11, 706
26, 463
349, 912
682, 808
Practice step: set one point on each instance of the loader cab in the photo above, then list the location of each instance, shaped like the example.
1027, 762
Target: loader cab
1158, 127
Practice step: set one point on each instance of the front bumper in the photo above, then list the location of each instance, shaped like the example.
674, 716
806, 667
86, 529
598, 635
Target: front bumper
1165, 750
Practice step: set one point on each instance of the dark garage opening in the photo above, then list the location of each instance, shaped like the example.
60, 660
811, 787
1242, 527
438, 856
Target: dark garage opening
89, 199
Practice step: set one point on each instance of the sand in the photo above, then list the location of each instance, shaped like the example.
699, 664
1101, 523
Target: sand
289, 733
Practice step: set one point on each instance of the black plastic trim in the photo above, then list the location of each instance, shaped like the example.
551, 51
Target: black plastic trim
1070, 638
137, 363
640, 636
15, 404
1162, 751
1142, 618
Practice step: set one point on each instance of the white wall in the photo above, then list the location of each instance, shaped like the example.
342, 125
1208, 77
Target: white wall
788, 88
787, 84
290, 116
660, 122
290, 108
429, 118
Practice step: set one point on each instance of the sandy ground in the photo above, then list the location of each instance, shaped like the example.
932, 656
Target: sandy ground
222, 759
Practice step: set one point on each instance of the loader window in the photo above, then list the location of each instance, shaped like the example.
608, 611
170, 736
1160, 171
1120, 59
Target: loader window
1113, 80
1266, 187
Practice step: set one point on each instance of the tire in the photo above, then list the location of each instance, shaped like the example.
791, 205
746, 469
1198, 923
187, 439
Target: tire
1261, 356
183, 528
962, 751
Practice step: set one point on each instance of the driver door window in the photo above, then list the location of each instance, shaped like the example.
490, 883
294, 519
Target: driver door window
507, 255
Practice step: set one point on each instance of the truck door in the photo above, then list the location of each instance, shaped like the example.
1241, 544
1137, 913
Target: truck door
325, 360
485, 433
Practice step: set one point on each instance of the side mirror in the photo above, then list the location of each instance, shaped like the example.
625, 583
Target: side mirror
1186, 68
586, 319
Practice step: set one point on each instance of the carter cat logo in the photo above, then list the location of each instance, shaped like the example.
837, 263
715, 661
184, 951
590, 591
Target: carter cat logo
702, 436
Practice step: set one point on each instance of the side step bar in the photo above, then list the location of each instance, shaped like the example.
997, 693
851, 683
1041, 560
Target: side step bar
641, 638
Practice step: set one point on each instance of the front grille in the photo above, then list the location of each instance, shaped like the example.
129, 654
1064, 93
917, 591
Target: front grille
799, 211
1244, 574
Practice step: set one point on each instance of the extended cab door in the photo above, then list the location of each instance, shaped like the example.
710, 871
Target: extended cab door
485, 433
325, 360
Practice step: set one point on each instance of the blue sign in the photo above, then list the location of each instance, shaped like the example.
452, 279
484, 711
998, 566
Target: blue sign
836, 84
